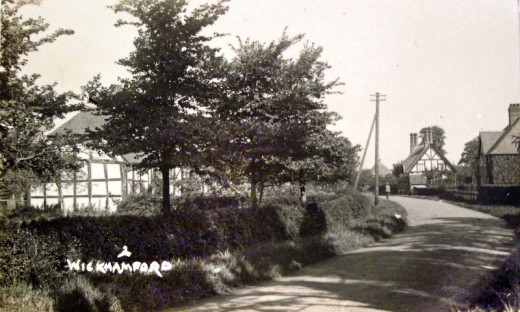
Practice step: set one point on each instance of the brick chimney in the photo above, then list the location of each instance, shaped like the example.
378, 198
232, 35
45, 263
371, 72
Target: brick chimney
428, 136
514, 112
413, 141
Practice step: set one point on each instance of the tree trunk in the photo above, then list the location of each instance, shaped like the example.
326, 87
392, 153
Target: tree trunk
303, 195
166, 205
60, 197
254, 183
28, 197
261, 195
254, 199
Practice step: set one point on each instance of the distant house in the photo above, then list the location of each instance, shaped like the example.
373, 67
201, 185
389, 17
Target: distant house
383, 170
498, 158
423, 157
102, 182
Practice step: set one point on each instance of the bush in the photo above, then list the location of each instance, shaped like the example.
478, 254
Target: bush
209, 202
25, 298
342, 210
143, 204
78, 294
27, 257
211, 249
182, 234
314, 223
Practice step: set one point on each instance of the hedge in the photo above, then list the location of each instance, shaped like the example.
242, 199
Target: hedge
35, 252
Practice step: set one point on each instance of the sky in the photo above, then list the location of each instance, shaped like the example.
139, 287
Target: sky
450, 63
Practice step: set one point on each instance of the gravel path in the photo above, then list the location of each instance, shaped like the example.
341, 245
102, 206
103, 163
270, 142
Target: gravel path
429, 267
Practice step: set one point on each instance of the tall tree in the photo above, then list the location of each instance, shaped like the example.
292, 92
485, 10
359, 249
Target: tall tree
273, 105
27, 109
438, 136
325, 157
468, 157
157, 113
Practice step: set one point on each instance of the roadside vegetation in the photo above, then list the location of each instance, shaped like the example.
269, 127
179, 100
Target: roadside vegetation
211, 250
501, 292
501, 289
253, 126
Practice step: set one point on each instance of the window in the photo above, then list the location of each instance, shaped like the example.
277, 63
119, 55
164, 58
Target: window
420, 167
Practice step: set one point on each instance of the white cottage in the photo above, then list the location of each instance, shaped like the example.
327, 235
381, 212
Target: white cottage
102, 182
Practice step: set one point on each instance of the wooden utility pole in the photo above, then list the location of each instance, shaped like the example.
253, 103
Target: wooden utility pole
377, 98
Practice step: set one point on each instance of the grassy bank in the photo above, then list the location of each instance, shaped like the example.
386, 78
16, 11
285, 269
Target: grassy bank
320, 232
501, 290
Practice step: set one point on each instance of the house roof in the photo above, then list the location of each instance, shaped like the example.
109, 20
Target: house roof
383, 170
488, 139
417, 153
79, 123
500, 142
88, 120
414, 156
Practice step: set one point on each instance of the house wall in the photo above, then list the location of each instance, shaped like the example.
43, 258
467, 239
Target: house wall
99, 185
430, 160
504, 169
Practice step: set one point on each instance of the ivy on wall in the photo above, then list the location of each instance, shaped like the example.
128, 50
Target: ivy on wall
506, 169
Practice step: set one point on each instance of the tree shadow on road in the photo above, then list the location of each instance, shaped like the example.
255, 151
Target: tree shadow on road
429, 268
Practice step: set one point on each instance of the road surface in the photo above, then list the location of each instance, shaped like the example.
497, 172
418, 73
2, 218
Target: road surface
430, 267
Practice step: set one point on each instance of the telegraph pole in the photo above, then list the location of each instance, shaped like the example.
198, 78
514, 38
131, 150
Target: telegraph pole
377, 98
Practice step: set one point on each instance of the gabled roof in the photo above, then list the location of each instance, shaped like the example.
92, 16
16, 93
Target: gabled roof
488, 139
88, 120
414, 157
383, 170
418, 152
78, 123
504, 144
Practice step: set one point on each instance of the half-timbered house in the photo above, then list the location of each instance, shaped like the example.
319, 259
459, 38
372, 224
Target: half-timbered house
102, 181
423, 157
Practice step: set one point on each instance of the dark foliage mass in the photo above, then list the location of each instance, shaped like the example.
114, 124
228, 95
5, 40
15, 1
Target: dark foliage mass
43, 245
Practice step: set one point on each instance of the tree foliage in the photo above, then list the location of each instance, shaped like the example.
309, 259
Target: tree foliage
439, 178
438, 136
516, 141
27, 109
158, 112
468, 158
273, 111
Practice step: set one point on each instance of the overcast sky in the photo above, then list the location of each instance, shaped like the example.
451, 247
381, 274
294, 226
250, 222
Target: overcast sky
451, 63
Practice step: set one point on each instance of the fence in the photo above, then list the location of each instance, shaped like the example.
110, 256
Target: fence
462, 195
500, 194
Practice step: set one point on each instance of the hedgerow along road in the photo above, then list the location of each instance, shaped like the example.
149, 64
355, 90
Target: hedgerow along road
433, 266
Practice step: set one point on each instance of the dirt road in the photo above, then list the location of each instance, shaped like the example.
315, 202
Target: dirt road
427, 268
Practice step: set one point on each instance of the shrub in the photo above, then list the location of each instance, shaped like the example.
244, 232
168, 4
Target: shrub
314, 222
182, 234
185, 282
25, 298
209, 202
143, 204
27, 257
78, 294
342, 210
